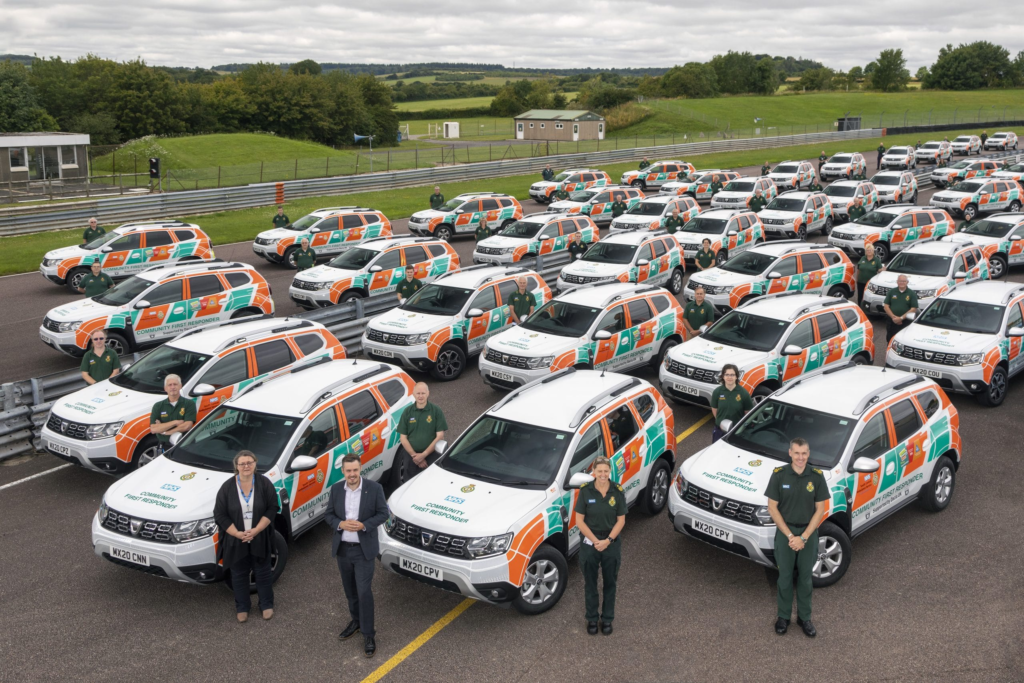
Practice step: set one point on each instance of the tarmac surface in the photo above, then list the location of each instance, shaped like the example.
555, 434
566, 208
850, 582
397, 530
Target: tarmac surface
929, 597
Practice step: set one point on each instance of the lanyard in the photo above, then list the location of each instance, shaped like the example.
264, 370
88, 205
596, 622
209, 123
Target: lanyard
242, 493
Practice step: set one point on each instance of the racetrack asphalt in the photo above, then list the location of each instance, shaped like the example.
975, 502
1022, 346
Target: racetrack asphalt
929, 597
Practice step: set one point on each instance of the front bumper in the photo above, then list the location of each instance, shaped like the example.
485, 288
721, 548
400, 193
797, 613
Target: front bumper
682, 389
494, 259
194, 562
963, 379
505, 377
829, 173
267, 251
310, 299
729, 203
783, 230
422, 229
98, 455
753, 542
50, 273
409, 357
62, 341
855, 247
541, 194
894, 165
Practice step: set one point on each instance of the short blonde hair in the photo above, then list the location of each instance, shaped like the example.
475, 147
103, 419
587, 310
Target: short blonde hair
601, 460
243, 454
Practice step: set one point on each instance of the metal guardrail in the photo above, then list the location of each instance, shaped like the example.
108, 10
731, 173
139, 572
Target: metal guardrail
25, 403
24, 220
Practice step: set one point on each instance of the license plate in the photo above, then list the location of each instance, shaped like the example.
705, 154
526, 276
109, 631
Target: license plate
422, 569
60, 448
501, 375
132, 556
383, 354
304, 297
712, 531
685, 389
927, 372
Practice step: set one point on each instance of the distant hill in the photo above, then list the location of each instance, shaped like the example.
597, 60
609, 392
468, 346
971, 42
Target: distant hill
23, 59
379, 69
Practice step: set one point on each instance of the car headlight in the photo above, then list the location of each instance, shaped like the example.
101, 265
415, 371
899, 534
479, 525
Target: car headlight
762, 515
271, 240
680, 484
926, 293
542, 362
103, 510
389, 523
873, 288
104, 431
897, 347
190, 531
68, 327
50, 262
417, 338
969, 358
508, 250
487, 546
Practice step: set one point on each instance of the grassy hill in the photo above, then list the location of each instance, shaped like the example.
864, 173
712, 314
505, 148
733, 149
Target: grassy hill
458, 103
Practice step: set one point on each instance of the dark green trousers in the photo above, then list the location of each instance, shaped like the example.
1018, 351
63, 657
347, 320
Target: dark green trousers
607, 563
787, 559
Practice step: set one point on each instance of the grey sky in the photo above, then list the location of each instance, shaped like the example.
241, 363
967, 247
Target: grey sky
533, 33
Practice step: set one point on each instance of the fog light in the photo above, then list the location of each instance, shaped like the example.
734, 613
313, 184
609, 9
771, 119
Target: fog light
494, 594
974, 386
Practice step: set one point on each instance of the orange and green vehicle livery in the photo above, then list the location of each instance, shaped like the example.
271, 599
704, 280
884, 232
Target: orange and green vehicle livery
330, 231
969, 198
571, 180
891, 229
657, 174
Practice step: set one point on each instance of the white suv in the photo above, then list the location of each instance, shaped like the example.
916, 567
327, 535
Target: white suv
932, 152
895, 186
653, 257
793, 175
651, 213
797, 214
966, 145
899, 158
844, 165
1001, 238
738, 193
1002, 141
891, 229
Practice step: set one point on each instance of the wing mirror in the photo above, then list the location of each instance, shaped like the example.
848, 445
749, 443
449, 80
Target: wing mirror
440, 447
1015, 332
313, 231
910, 316
643, 262
865, 465
202, 390
459, 211
301, 463
732, 233
106, 250
774, 275
1013, 238
791, 350
474, 313
726, 426
375, 269
578, 480
602, 335
959, 274
175, 438
139, 305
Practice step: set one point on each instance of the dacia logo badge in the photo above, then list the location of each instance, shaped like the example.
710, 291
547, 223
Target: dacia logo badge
426, 538
113, 393
532, 336
689, 372
719, 348
717, 502
504, 358
384, 337
186, 477
136, 525
928, 355
63, 426
469, 488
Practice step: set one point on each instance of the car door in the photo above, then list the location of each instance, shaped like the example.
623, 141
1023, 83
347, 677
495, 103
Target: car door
661, 265
547, 238
643, 328
1014, 318
592, 445
787, 275
416, 257
323, 234
831, 342
903, 232
812, 272
166, 307
206, 299
469, 218
125, 255
733, 231
382, 271
801, 336
1015, 247
641, 273
367, 432
477, 330
225, 375
319, 437
613, 322
627, 444
567, 233
599, 203
157, 247
873, 442
352, 230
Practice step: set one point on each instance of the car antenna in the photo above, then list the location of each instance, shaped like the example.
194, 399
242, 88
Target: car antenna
603, 371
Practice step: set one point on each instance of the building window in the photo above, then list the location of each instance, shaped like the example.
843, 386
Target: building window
520, 125
19, 159
559, 126
542, 125
531, 125
67, 156
600, 128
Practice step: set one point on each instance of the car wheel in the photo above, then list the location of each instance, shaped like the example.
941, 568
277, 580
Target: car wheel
861, 359
801, 233
278, 560
913, 200
543, 582
349, 296
639, 183
761, 392
937, 493
882, 250
655, 495
146, 452
834, 555
443, 233
450, 363
118, 344
289, 258
507, 223
995, 393
1014, 206
666, 346
997, 266
970, 212
675, 282
721, 256
827, 230
74, 279
838, 290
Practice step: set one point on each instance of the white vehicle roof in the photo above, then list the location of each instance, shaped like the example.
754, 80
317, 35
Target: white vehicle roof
783, 163
475, 276
546, 217
998, 135
845, 183
477, 195
892, 149
582, 170
933, 142
601, 294
152, 225
780, 247
721, 213
215, 338
659, 199
564, 399
797, 194
995, 292
850, 389
331, 210
941, 247
838, 154
382, 243
160, 273
298, 392
790, 305
634, 236
898, 209
896, 174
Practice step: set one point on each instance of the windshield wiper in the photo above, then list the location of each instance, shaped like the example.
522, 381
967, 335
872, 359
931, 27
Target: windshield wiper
509, 482
473, 474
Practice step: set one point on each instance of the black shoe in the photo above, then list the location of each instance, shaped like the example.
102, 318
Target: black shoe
781, 626
592, 628
606, 628
350, 630
807, 626
369, 646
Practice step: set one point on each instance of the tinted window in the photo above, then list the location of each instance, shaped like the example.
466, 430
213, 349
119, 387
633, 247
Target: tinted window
874, 440
436, 249
507, 287
327, 224
828, 326
646, 252
308, 343
505, 202
229, 370
204, 285
415, 254
786, 266
184, 235
167, 293
390, 260
485, 300
930, 403
568, 227
1014, 319
810, 262
351, 221
320, 436
659, 248
621, 426
238, 279
971, 261
591, 445
905, 420
489, 205
361, 411
613, 321
126, 243
158, 238
644, 405
639, 312
802, 336
393, 391
849, 317
832, 258
272, 355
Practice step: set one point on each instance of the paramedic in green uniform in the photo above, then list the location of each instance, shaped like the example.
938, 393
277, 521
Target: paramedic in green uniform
716, 186
900, 301
547, 173
421, 426
173, 415
521, 302
561, 194
99, 362
92, 232
96, 282
766, 169
758, 201
600, 515
644, 163
822, 158
881, 153
305, 257
796, 502
729, 401
436, 199
697, 313
483, 231
815, 185
674, 222
868, 266
408, 286
705, 257
857, 210
619, 207
281, 220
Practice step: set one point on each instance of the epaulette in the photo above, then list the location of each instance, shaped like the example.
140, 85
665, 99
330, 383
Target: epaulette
817, 470
619, 487
777, 469
584, 485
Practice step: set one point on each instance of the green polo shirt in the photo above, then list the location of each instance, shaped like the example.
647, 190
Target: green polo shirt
644, 164
421, 425
868, 268
673, 223
797, 494
705, 258
822, 158
815, 187
730, 405
163, 412
436, 200
766, 169
699, 314
100, 367
482, 233
561, 194
547, 174
856, 212
94, 285
522, 302
900, 302
757, 203
983, 137
881, 149
859, 176
618, 208
716, 187
305, 259
601, 512
90, 234
407, 287
281, 221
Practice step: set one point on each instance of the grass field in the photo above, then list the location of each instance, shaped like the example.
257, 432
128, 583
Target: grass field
458, 103
22, 253
489, 126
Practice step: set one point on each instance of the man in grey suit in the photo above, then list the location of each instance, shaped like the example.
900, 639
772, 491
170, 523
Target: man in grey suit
355, 508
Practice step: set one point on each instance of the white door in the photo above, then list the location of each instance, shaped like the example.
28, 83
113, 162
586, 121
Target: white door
575, 132
519, 130
600, 131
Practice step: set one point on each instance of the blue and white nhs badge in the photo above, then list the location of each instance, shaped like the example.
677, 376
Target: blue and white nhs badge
785, 486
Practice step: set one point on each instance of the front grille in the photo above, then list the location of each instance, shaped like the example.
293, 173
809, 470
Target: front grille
843, 235
72, 430
730, 200
774, 221
264, 241
425, 539
415, 219
146, 529
387, 337
51, 325
308, 285
880, 291
930, 356
690, 372
691, 247
720, 505
580, 279
490, 251
506, 359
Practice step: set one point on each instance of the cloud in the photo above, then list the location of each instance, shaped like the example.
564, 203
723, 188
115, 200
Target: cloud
531, 33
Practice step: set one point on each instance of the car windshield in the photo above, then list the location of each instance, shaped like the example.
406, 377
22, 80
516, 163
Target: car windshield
841, 190
931, 145
997, 136
705, 178
769, 427
525, 229
609, 252
920, 264
883, 180
740, 186
354, 259
124, 292
562, 319
786, 204
962, 164
898, 150
745, 331
749, 263
305, 222
876, 219
98, 242
988, 228
840, 159
508, 453
963, 316
963, 138
787, 168
648, 209
969, 186
149, 373
562, 176
706, 226
582, 196
453, 204
215, 441
1016, 168
438, 300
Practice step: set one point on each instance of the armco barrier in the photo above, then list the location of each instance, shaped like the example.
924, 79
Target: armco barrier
22, 220
26, 403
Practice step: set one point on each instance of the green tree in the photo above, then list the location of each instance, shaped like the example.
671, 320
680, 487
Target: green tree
765, 79
922, 73
19, 110
816, 79
855, 73
972, 66
540, 95
558, 101
144, 102
508, 103
306, 66
890, 73
649, 86
734, 72
693, 80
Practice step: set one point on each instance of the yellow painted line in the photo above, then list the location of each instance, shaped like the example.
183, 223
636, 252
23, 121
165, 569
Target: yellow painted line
694, 427
420, 640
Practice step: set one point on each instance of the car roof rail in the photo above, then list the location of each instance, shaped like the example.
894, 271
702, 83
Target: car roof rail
600, 399
529, 385
289, 324
463, 270
890, 388
1011, 293
821, 303
336, 387
596, 283
539, 214
515, 270
765, 297
638, 288
1019, 216
224, 323
211, 264
804, 245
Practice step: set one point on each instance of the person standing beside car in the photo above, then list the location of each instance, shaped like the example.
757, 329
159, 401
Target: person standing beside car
674, 222
984, 137
705, 257
765, 169
100, 362
92, 232
644, 164
547, 173
822, 158
697, 313
868, 266
280, 219
619, 207
600, 515
305, 257
900, 301
729, 401
521, 302
173, 415
757, 202
797, 495
857, 210
244, 511
96, 282
483, 230
560, 194
881, 153
408, 285
436, 199
815, 185
420, 427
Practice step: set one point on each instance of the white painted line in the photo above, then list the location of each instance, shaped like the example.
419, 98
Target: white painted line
34, 476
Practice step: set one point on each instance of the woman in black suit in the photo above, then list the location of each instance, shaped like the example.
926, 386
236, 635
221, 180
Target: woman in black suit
245, 509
